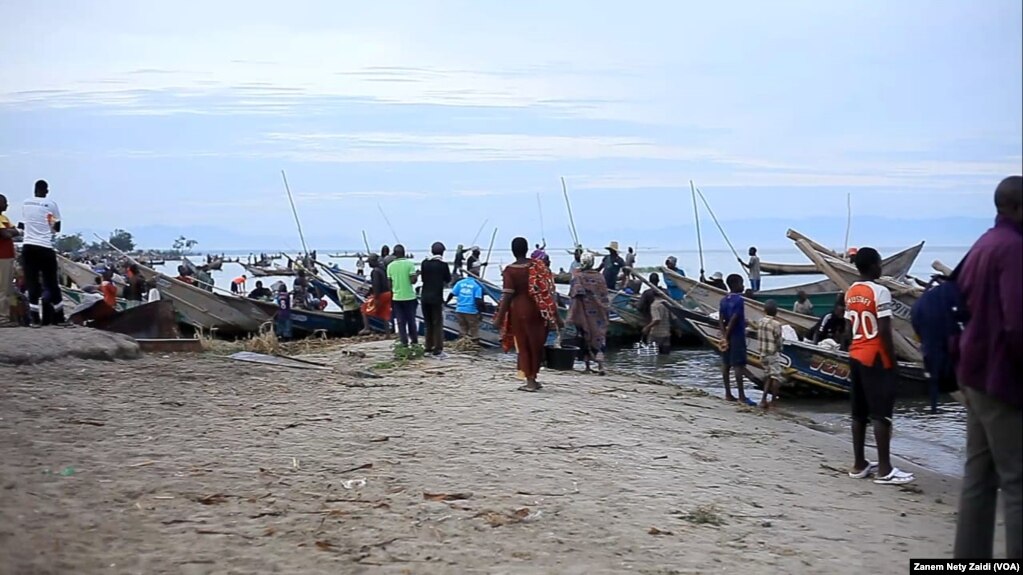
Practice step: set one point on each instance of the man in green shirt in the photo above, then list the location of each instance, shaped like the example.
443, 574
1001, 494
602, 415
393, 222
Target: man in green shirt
402, 273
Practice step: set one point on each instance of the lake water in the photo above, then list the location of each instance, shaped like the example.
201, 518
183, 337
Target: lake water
935, 441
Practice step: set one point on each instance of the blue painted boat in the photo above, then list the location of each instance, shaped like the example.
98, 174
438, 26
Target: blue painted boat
807, 369
303, 322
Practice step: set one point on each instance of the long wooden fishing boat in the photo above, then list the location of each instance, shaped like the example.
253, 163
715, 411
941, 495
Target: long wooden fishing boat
490, 334
77, 297
202, 309
807, 369
907, 346
823, 293
153, 320
263, 272
897, 265
82, 275
625, 321
823, 301
303, 322
709, 298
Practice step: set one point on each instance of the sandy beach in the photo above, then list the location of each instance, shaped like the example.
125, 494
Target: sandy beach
200, 464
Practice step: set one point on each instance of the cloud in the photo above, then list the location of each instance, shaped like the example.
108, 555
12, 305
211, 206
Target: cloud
369, 147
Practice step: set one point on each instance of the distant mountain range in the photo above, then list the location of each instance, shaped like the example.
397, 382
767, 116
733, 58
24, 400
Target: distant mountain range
764, 233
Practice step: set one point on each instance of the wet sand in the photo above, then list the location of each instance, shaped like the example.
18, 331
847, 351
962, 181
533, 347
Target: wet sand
199, 464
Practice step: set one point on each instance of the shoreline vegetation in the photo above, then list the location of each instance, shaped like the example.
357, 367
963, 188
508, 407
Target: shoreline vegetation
197, 463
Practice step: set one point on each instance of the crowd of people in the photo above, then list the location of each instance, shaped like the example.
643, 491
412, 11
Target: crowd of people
989, 348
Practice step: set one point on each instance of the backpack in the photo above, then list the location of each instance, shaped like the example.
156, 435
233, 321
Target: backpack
939, 317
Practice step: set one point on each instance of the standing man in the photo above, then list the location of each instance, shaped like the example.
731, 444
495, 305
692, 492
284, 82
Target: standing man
658, 330
646, 300
360, 266
378, 304
577, 257
203, 277
38, 258
7, 234
753, 267
459, 260
136, 285
770, 339
990, 374
402, 273
385, 256
611, 266
732, 323
436, 275
630, 259
473, 261
868, 306
674, 290
539, 253
469, 306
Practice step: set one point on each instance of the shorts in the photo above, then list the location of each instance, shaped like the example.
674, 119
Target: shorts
735, 355
469, 324
873, 391
772, 366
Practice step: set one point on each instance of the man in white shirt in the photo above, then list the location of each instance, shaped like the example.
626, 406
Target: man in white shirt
42, 220
753, 268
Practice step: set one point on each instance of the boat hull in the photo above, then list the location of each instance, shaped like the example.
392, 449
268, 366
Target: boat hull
808, 369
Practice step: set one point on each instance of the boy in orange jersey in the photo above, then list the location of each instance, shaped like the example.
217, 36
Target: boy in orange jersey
868, 307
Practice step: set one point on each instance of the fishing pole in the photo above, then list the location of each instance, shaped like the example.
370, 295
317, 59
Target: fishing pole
298, 224
393, 233
539, 206
696, 216
848, 220
365, 242
478, 232
720, 229
490, 250
571, 220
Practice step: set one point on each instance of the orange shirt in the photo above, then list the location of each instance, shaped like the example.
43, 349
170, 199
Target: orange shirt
109, 293
865, 304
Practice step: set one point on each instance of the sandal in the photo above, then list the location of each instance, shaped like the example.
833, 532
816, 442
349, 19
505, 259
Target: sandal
529, 389
866, 472
896, 477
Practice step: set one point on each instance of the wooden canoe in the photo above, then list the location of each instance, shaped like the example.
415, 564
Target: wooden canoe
897, 265
82, 275
259, 272
203, 309
807, 368
709, 298
906, 345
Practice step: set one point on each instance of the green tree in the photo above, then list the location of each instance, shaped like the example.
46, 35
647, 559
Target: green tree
184, 245
122, 240
69, 243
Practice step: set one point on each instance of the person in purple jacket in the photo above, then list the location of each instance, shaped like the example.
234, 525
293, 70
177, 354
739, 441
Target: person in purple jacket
990, 374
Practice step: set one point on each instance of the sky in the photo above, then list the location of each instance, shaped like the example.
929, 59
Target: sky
445, 114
